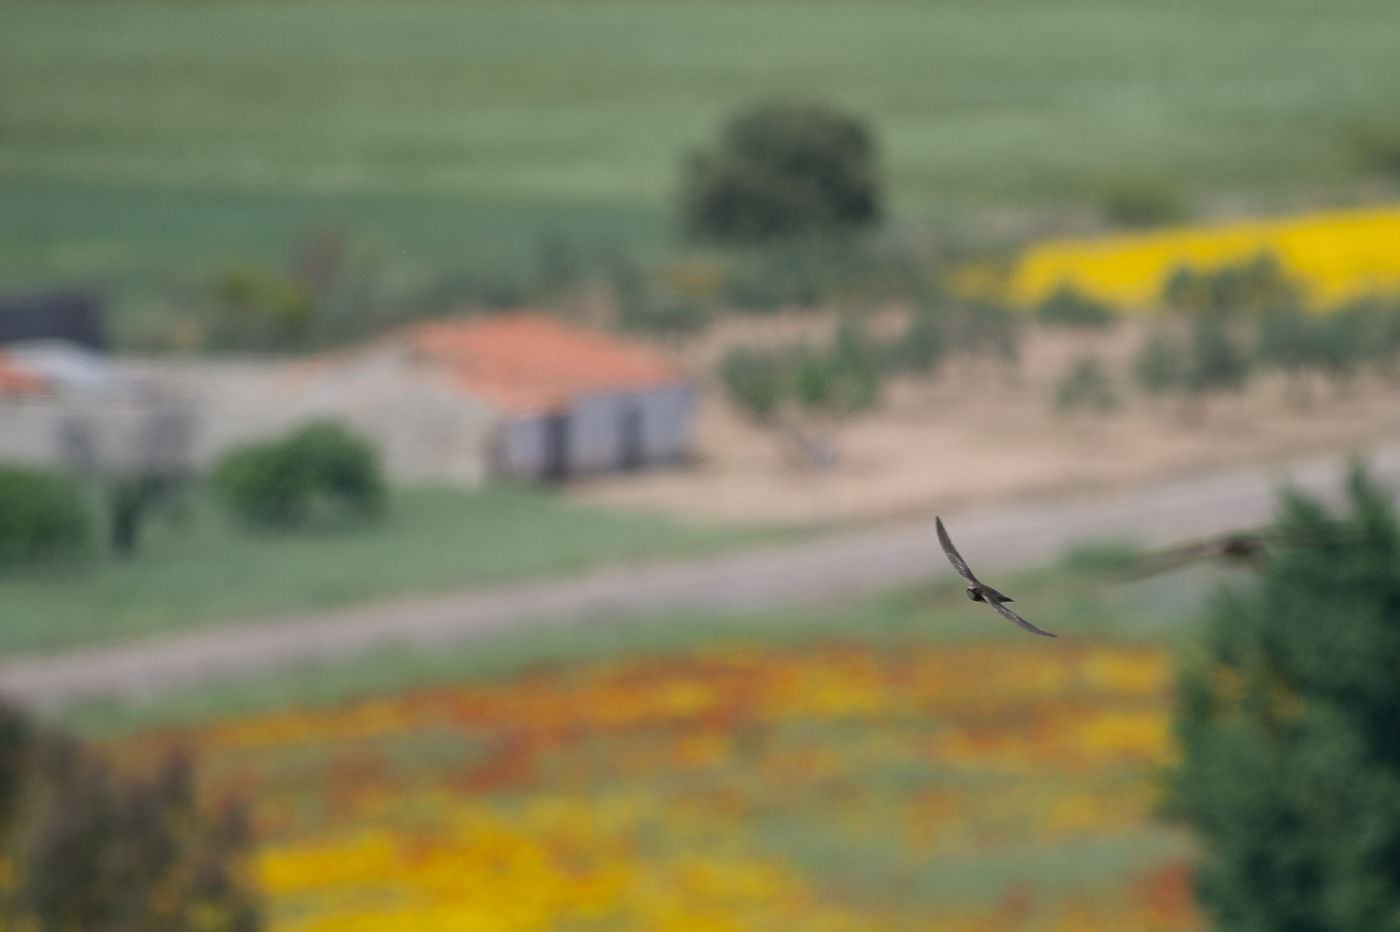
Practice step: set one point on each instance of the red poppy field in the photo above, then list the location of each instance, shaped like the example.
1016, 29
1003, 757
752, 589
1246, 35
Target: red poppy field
911, 785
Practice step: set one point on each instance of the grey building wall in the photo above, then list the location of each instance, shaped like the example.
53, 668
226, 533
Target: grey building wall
594, 432
666, 422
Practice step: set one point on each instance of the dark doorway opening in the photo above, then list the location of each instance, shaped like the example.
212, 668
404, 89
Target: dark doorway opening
633, 453
556, 448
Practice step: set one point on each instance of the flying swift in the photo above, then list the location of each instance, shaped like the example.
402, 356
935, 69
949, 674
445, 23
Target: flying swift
979, 591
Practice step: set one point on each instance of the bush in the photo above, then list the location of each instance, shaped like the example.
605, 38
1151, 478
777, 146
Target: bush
665, 314
1250, 285
264, 485
1160, 364
1143, 201
343, 468
855, 367
1217, 359
1085, 385
782, 169
44, 516
98, 850
1067, 307
923, 343
321, 471
754, 379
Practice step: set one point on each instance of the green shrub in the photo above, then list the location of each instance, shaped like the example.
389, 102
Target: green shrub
1218, 361
1250, 285
101, 848
923, 343
855, 367
1143, 200
782, 169
263, 484
343, 468
665, 314
321, 471
44, 516
1286, 338
1085, 385
1160, 364
754, 379
1068, 308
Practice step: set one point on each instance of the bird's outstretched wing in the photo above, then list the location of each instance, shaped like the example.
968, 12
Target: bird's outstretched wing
1008, 614
954, 557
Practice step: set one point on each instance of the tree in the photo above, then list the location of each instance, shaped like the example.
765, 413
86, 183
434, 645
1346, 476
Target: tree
1289, 728
782, 169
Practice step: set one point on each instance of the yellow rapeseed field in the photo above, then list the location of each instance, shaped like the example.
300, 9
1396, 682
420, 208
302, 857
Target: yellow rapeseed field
1336, 255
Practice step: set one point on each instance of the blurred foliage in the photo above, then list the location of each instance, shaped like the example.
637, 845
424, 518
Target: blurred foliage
664, 314
1289, 728
1376, 144
1087, 385
854, 365
1160, 364
1143, 200
1250, 285
321, 473
779, 170
754, 379
85, 848
810, 271
982, 327
44, 517
1219, 359
842, 378
922, 345
1067, 307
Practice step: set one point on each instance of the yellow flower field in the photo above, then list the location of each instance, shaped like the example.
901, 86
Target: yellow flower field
1336, 255
824, 787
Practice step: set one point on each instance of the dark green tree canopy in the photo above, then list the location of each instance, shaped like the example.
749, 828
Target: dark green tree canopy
783, 169
1289, 725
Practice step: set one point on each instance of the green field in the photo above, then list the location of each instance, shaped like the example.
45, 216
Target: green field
1081, 599
141, 141
201, 570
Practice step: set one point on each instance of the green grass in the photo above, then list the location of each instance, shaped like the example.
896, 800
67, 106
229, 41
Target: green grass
202, 570
138, 139
1076, 599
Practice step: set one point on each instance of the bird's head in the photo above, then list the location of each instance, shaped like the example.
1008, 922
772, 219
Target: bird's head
973, 594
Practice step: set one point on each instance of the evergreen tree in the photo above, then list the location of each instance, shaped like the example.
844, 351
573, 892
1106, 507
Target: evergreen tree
1289, 728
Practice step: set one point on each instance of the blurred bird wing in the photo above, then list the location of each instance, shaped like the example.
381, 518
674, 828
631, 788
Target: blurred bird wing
1009, 615
954, 557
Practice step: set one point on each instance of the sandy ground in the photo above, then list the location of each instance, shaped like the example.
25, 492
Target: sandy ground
981, 432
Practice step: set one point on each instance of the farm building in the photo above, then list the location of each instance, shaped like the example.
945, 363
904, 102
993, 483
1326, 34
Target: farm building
516, 395
519, 395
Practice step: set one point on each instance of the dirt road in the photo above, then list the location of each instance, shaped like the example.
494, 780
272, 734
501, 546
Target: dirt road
810, 572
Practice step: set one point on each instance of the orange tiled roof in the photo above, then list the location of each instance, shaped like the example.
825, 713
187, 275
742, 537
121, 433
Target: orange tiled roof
17, 380
530, 362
